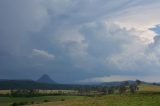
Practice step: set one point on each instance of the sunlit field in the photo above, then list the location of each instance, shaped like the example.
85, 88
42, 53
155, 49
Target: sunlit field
146, 88
5, 91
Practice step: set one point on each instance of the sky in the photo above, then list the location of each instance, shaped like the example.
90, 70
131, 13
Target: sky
75, 41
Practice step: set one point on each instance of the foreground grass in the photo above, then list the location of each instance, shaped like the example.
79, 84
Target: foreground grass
145, 99
111, 100
7, 101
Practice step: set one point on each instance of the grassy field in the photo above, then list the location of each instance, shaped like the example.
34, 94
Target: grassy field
6, 101
5, 91
148, 95
148, 88
147, 99
111, 100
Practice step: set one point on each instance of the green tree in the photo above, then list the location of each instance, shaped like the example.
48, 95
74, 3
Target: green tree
122, 89
138, 82
133, 88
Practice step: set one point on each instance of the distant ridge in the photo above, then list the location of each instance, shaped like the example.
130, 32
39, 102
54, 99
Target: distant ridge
118, 83
30, 84
46, 79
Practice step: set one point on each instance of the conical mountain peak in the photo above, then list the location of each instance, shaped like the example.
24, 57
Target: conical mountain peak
45, 79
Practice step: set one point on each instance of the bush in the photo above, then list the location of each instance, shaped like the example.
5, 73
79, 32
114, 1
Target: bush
46, 100
32, 102
19, 104
62, 99
14, 104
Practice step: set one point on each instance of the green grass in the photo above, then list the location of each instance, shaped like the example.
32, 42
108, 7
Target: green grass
145, 99
6, 101
111, 100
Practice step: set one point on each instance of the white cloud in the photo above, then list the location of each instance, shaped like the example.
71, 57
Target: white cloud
109, 78
141, 17
42, 55
150, 78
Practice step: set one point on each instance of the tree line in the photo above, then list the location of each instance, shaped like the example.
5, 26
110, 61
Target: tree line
84, 90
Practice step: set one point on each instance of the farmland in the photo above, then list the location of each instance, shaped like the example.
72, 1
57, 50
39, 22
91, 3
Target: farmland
7, 101
147, 99
147, 95
111, 100
149, 88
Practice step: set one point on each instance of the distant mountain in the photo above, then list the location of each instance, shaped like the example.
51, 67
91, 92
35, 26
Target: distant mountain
13, 84
116, 83
30, 84
46, 79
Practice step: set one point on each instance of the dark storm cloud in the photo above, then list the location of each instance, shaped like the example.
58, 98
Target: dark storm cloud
70, 40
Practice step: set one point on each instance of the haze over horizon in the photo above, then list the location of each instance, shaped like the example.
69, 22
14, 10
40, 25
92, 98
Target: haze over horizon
80, 40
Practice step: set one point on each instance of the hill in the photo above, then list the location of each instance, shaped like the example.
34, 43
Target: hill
46, 79
30, 84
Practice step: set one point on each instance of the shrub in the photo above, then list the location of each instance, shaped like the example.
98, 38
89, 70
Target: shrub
62, 99
14, 104
46, 100
32, 102
22, 103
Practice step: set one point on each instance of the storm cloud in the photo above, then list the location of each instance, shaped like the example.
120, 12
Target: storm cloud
79, 40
